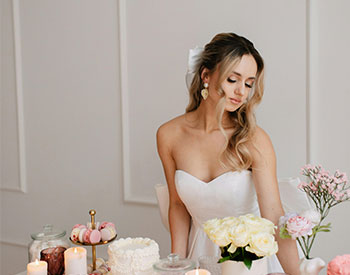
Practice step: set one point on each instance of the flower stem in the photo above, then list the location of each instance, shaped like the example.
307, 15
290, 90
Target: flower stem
302, 248
312, 241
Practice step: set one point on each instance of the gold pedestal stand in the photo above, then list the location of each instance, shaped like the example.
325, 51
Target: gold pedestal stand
93, 226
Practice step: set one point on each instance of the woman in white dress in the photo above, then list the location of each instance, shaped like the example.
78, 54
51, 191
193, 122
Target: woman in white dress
217, 161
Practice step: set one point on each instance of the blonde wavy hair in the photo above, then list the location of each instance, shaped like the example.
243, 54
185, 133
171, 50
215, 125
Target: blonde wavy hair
224, 52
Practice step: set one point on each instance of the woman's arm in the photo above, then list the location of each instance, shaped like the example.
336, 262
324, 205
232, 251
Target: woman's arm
266, 185
179, 218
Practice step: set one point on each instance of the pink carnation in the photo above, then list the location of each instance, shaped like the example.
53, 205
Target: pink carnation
299, 227
340, 265
283, 220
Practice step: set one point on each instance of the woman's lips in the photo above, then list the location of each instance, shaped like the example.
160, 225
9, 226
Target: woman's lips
235, 101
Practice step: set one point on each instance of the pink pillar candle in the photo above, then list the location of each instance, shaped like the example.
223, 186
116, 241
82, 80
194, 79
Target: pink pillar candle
75, 261
198, 272
37, 268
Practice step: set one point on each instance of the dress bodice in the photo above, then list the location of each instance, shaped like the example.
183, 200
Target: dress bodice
230, 194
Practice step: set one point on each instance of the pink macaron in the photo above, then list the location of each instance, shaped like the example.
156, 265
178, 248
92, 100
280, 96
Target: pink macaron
74, 235
106, 224
108, 233
86, 236
78, 225
81, 235
95, 236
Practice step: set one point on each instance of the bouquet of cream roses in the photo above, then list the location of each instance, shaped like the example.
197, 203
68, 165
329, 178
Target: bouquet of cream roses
326, 191
245, 238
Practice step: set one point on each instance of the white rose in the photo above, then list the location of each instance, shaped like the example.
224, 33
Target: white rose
221, 236
211, 226
230, 221
217, 232
247, 217
312, 215
257, 224
262, 244
269, 226
240, 235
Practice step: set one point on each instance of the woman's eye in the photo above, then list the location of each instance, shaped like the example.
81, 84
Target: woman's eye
249, 86
231, 80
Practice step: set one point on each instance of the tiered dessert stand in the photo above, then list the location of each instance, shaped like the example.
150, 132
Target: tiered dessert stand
93, 226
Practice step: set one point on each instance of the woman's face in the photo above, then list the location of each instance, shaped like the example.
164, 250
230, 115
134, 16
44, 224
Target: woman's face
237, 85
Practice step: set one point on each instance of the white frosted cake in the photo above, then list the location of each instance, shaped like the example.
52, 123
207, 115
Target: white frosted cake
132, 256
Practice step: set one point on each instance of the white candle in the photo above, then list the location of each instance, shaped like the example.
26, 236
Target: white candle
198, 272
75, 261
37, 268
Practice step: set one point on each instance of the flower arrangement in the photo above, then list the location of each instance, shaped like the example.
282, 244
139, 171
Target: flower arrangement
339, 265
246, 238
326, 191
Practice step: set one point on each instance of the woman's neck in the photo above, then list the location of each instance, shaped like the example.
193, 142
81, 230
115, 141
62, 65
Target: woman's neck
206, 117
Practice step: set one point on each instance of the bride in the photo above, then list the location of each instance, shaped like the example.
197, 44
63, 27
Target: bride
217, 161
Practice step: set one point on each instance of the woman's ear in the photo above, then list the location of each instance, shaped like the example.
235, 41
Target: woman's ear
205, 75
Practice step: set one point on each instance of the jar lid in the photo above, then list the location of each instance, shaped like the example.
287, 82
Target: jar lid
174, 263
48, 233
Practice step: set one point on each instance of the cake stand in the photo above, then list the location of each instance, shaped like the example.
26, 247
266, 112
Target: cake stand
93, 226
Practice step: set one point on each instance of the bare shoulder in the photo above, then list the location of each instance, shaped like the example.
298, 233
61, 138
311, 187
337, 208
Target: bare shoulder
170, 130
261, 139
261, 146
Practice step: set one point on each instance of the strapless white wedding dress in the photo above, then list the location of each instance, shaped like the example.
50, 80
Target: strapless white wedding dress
230, 194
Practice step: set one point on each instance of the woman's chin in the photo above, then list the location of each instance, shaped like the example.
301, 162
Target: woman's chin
231, 108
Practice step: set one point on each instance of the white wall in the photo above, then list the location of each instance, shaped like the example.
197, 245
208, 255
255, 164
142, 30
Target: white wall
99, 77
72, 126
158, 37
330, 113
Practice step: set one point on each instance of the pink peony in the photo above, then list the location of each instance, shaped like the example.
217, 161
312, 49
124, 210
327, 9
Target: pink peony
299, 227
283, 220
340, 265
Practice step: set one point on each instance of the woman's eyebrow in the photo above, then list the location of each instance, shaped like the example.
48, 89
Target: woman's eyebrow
252, 77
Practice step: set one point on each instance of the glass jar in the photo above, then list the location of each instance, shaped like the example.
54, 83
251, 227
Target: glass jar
174, 265
48, 238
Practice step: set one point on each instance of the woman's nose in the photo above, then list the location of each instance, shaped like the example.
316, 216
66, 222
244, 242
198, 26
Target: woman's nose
239, 90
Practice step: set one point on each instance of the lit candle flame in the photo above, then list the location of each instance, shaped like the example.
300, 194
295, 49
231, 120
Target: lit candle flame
75, 250
36, 262
197, 273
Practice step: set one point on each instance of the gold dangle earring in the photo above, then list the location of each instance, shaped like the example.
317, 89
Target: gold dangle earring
205, 91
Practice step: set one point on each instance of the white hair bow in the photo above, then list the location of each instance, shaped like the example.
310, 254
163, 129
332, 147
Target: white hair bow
194, 57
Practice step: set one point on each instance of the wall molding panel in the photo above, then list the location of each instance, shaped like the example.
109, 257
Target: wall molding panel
128, 195
19, 102
13, 243
312, 54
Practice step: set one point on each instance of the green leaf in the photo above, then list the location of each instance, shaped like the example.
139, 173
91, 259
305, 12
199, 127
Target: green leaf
248, 262
235, 254
224, 259
325, 226
284, 233
322, 228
